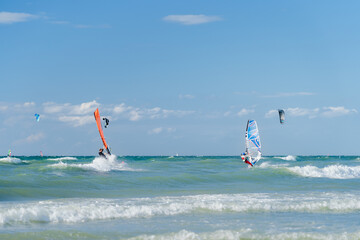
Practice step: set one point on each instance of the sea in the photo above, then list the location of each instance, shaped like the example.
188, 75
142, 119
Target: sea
179, 197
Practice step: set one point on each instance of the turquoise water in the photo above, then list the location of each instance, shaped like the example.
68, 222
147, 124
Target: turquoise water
192, 197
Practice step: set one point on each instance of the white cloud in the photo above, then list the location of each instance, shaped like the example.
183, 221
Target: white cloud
289, 94
34, 137
12, 17
81, 114
51, 108
77, 121
29, 104
120, 108
298, 112
3, 107
156, 130
245, 111
161, 129
186, 96
271, 113
315, 112
84, 108
228, 113
295, 112
191, 19
337, 111
135, 114
67, 108
76, 115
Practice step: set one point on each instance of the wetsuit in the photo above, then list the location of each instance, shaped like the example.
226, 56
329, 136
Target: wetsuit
246, 159
101, 154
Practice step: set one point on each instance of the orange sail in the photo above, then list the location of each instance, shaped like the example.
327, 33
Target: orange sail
98, 123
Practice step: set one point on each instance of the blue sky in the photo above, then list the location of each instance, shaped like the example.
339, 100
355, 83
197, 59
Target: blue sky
179, 76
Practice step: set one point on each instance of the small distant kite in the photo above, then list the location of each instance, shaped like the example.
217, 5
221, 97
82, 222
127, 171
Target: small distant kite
37, 117
106, 122
281, 116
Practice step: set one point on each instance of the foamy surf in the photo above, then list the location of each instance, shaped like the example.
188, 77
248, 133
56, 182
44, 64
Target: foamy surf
246, 233
99, 164
85, 210
269, 165
10, 160
62, 159
332, 171
287, 158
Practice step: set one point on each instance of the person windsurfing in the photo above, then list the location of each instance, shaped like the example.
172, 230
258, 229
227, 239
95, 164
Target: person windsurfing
101, 153
245, 157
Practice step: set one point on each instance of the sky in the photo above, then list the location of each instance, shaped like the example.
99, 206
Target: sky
179, 77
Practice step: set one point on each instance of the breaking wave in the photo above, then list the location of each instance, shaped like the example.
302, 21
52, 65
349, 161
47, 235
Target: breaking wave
84, 210
10, 160
246, 233
333, 171
99, 164
269, 165
287, 158
62, 159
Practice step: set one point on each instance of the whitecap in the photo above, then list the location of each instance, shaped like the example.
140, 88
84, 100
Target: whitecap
287, 158
269, 165
10, 160
62, 158
99, 164
245, 233
332, 171
85, 210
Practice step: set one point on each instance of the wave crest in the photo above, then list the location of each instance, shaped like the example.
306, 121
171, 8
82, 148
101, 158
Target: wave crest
333, 171
10, 160
84, 210
99, 164
62, 158
288, 158
245, 233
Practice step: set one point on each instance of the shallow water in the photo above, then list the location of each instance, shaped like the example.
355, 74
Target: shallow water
282, 197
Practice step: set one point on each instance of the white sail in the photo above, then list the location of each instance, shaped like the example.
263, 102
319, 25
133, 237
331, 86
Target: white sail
252, 141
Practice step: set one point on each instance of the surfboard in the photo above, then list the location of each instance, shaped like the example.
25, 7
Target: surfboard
98, 123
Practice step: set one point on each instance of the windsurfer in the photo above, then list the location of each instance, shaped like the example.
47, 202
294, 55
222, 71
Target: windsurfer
246, 158
101, 153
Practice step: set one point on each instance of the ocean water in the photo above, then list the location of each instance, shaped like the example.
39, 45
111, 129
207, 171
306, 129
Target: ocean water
185, 197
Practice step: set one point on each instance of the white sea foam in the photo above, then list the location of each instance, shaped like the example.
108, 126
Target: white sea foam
332, 171
10, 160
99, 164
62, 159
84, 210
288, 158
247, 234
269, 165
